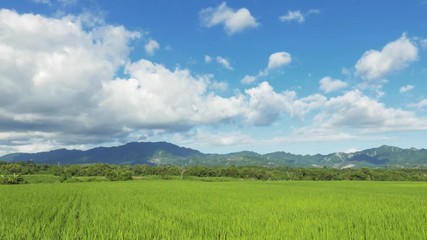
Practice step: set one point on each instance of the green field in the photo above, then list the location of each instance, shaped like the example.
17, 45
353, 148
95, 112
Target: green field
176, 209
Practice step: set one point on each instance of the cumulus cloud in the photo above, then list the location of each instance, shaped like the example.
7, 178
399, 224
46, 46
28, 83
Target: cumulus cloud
51, 83
293, 16
202, 138
220, 60
297, 16
220, 86
394, 56
353, 110
61, 62
312, 134
420, 105
405, 89
151, 47
224, 62
327, 84
265, 105
279, 59
61, 88
275, 61
233, 21
247, 79
355, 116
171, 100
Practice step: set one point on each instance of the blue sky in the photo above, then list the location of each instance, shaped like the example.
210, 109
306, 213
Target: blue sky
218, 76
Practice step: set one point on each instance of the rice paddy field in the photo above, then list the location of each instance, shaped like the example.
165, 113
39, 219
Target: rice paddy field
180, 209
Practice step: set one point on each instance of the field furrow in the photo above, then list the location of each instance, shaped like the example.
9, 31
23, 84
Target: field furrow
174, 209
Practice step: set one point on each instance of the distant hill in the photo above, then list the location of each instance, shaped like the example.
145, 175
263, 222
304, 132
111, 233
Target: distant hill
131, 153
163, 153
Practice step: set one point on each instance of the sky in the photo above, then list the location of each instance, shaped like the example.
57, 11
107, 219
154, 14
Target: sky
298, 76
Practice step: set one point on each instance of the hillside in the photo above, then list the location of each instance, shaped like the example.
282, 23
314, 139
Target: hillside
163, 153
131, 153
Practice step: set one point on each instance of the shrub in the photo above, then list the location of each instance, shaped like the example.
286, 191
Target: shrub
119, 175
11, 179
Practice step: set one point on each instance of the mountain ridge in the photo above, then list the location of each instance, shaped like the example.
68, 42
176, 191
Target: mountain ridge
164, 153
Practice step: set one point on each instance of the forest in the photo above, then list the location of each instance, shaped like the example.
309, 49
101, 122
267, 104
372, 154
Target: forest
11, 173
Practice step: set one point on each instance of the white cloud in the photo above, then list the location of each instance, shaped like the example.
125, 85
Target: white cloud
224, 62
394, 56
275, 61
151, 47
379, 93
61, 60
203, 138
51, 84
405, 89
346, 72
420, 105
265, 106
349, 117
279, 59
61, 89
220, 60
310, 135
67, 2
351, 150
304, 105
233, 21
63, 3
248, 79
220, 86
171, 99
48, 2
424, 43
179, 100
353, 110
63, 85
297, 16
327, 84
355, 116
208, 59
293, 16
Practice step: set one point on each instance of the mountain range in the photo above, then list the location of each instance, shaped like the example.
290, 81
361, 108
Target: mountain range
163, 153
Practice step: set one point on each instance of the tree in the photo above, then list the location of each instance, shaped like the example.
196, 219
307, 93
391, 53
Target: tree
119, 174
11, 179
182, 171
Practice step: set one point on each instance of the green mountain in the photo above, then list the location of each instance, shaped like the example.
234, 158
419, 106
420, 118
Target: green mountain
131, 153
163, 153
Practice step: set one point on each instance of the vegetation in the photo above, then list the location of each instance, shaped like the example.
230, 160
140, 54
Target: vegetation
11, 179
162, 153
200, 202
179, 209
75, 173
119, 174
41, 178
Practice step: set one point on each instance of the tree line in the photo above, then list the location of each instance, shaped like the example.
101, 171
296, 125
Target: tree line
13, 171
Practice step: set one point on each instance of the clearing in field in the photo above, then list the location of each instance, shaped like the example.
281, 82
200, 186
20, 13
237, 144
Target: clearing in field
157, 209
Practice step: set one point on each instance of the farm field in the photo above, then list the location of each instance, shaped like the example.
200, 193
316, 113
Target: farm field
180, 209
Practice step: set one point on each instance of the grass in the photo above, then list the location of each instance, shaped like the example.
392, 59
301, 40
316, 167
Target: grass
47, 178
40, 178
176, 209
